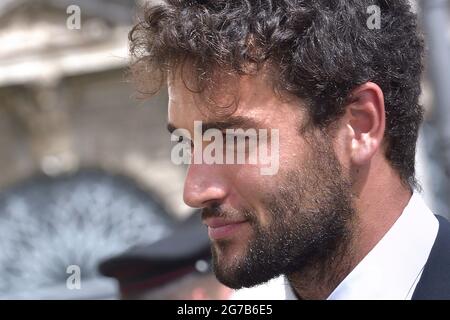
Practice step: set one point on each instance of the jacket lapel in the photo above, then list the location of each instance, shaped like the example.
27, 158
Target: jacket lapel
434, 283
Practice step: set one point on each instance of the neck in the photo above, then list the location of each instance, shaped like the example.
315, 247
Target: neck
377, 206
322, 275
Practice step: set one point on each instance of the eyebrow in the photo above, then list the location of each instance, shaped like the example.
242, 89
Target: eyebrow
234, 122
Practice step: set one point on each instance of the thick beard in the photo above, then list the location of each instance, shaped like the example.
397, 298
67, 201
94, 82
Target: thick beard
311, 218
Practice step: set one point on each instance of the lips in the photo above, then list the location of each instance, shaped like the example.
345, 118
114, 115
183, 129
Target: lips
219, 228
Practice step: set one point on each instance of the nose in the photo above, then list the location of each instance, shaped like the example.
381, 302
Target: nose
204, 185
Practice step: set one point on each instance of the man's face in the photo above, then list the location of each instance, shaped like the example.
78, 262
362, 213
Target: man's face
262, 226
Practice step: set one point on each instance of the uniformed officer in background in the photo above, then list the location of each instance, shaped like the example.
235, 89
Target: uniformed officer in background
177, 267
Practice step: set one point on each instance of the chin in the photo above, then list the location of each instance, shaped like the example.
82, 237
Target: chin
226, 251
228, 259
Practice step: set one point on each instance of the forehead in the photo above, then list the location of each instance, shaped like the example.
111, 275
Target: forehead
254, 98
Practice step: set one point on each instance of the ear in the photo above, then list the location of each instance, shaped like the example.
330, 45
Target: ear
366, 121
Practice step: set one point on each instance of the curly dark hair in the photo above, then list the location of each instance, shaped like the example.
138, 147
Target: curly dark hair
319, 51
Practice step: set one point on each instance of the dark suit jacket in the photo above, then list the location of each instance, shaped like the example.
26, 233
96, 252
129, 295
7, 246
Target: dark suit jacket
435, 280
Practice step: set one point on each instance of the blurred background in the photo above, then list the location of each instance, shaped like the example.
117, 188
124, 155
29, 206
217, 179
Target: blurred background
85, 170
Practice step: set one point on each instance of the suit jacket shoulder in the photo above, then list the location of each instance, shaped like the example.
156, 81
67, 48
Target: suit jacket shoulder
434, 283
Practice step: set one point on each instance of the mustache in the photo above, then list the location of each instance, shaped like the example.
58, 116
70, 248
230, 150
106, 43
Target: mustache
219, 211
214, 211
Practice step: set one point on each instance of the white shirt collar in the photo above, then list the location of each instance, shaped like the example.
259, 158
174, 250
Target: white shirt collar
391, 270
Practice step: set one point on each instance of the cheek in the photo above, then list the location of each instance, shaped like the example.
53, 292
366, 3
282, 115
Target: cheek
249, 180
250, 189
247, 185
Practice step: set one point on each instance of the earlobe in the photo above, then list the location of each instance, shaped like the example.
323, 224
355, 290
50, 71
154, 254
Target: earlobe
366, 121
363, 149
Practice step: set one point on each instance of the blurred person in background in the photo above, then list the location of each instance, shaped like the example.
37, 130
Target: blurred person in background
177, 267
342, 218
